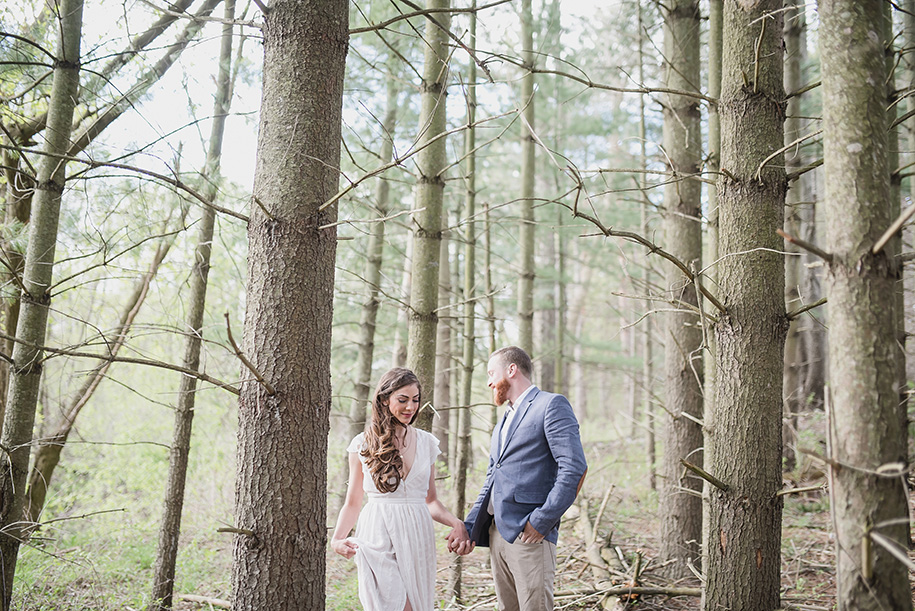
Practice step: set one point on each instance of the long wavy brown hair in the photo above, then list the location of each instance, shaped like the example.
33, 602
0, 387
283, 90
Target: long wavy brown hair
381, 455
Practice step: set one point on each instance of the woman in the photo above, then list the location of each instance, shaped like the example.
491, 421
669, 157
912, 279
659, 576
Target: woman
394, 463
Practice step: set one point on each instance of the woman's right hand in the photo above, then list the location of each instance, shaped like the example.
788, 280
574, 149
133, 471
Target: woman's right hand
345, 547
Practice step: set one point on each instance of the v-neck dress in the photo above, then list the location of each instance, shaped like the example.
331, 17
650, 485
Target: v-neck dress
396, 554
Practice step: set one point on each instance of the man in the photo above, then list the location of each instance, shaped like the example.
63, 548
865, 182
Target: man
536, 467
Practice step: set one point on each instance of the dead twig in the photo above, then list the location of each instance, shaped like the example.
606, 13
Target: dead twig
241, 356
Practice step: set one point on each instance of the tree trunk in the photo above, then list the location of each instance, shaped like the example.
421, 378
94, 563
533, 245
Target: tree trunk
793, 389
680, 511
284, 420
430, 187
744, 535
375, 252
170, 528
490, 300
908, 11
715, 21
25, 372
443, 356
402, 328
464, 449
864, 432
895, 208
528, 168
648, 407
546, 362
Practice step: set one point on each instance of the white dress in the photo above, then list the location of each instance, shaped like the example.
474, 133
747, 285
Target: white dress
396, 554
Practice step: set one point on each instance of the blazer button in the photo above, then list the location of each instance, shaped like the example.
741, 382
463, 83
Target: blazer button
498, 465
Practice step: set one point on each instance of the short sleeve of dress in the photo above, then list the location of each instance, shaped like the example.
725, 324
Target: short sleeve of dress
434, 449
356, 444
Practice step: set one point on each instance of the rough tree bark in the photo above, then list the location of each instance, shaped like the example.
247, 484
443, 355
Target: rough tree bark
170, 528
744, 534
284, 418
430, 187
25, 371
681, 511
864, 431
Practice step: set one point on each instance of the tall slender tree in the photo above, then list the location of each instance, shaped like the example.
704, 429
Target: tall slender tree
866, 440
794, 356
528, 168
179, 453
469, 312
892, 102
430, 188
744, 534
25, 370
284, 411
715, 33
374, 258
681, 511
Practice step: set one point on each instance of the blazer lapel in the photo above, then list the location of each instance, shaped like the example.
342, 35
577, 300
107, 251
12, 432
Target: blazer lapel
521, 411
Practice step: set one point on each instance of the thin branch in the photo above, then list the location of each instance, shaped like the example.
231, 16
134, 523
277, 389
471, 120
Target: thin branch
706, 476
893, 548
451, 35
806, 308
803, 90
236, 531
419, 12
120, 166
893, 229
799, 490
241, 356
785, 148
399, 160
379, 220
806, 246
123, 359
653, 248
800, 171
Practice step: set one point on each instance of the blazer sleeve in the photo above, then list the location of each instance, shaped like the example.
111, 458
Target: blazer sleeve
564, 440
478, 518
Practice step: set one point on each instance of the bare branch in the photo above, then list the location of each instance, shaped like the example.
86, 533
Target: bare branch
893, 229
806, 308
806, 246
241, 356
706, 476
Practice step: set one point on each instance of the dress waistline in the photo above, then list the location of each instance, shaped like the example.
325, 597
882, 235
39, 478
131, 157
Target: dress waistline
388, 499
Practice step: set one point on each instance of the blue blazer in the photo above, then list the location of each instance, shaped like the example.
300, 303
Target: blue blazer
535, 476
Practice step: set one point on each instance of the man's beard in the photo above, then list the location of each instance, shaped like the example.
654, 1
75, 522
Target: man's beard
500, 392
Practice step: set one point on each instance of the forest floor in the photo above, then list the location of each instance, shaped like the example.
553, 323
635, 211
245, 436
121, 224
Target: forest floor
101, 558
808, 582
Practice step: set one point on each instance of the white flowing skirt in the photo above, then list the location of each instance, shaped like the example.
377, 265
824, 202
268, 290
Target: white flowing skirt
396, 554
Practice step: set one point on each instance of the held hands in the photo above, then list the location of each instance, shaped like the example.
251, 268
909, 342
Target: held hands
345, 547
459, 541
530, 535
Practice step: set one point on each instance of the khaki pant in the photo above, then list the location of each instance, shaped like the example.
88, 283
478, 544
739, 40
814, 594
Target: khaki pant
523, 573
